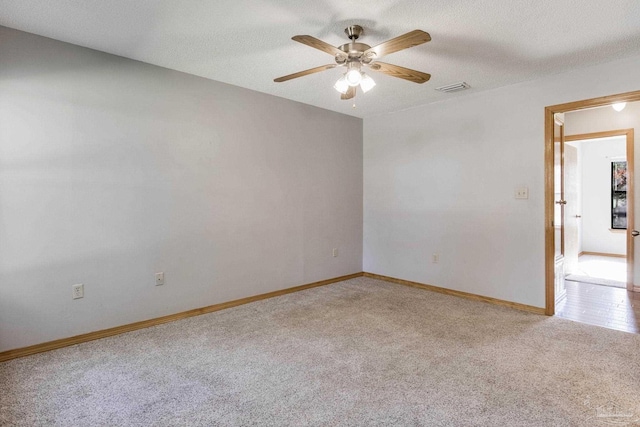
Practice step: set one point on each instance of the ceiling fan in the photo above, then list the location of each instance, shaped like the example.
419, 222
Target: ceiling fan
357, 56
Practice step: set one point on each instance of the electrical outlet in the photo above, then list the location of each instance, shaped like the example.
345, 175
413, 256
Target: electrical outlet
159, 279
435, 258
522, 193
77, 291
335, 252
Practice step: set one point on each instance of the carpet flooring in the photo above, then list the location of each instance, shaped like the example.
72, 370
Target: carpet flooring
357, 353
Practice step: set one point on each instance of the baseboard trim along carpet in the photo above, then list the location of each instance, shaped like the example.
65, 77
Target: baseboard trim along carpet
65, 342
515, 305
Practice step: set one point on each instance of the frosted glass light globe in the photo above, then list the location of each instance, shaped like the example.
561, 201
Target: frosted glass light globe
353, 77
619, 106
367, 83
341, 85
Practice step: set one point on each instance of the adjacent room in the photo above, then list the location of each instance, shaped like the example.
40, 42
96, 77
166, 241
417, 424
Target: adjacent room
597, 245
283, 213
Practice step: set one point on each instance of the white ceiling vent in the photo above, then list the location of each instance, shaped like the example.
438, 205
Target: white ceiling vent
455, 87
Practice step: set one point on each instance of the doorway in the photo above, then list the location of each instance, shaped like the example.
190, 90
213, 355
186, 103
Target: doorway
596, 172
555, 211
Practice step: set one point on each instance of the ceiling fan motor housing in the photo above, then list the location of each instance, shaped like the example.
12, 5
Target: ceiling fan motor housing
354, 50
354, 53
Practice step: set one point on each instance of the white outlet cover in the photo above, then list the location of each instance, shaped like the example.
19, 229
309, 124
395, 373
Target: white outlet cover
521, 193
77, 291
159, 279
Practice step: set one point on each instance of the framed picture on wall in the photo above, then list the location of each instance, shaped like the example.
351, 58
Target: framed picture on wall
619, 195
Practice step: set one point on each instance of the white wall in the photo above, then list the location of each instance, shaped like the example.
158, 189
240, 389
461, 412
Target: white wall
112, 170
441, 178
596, 157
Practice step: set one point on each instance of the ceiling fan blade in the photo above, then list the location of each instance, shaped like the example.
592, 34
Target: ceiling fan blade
405, 41
400, 72
304, 73
319, 44
350, 93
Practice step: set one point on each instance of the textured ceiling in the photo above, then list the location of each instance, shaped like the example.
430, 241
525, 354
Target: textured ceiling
487, 43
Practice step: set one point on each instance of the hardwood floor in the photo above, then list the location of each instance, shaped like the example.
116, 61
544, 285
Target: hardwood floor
599, 305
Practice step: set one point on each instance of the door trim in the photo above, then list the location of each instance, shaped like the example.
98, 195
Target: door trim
628, 134
548, 181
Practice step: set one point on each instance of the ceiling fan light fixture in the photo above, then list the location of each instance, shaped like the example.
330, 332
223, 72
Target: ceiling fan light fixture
619, 106
354, 77
341, 85
367, 83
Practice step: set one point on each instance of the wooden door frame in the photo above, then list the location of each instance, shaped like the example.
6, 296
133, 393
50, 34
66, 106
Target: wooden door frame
549, 178
628, 134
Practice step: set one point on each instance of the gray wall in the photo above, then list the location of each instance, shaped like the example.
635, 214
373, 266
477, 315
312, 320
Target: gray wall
112, 170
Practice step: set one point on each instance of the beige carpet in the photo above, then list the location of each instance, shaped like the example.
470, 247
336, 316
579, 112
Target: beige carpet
357, 353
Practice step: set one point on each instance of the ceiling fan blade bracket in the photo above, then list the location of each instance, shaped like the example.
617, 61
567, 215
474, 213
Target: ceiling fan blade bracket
341, 59
367, 58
